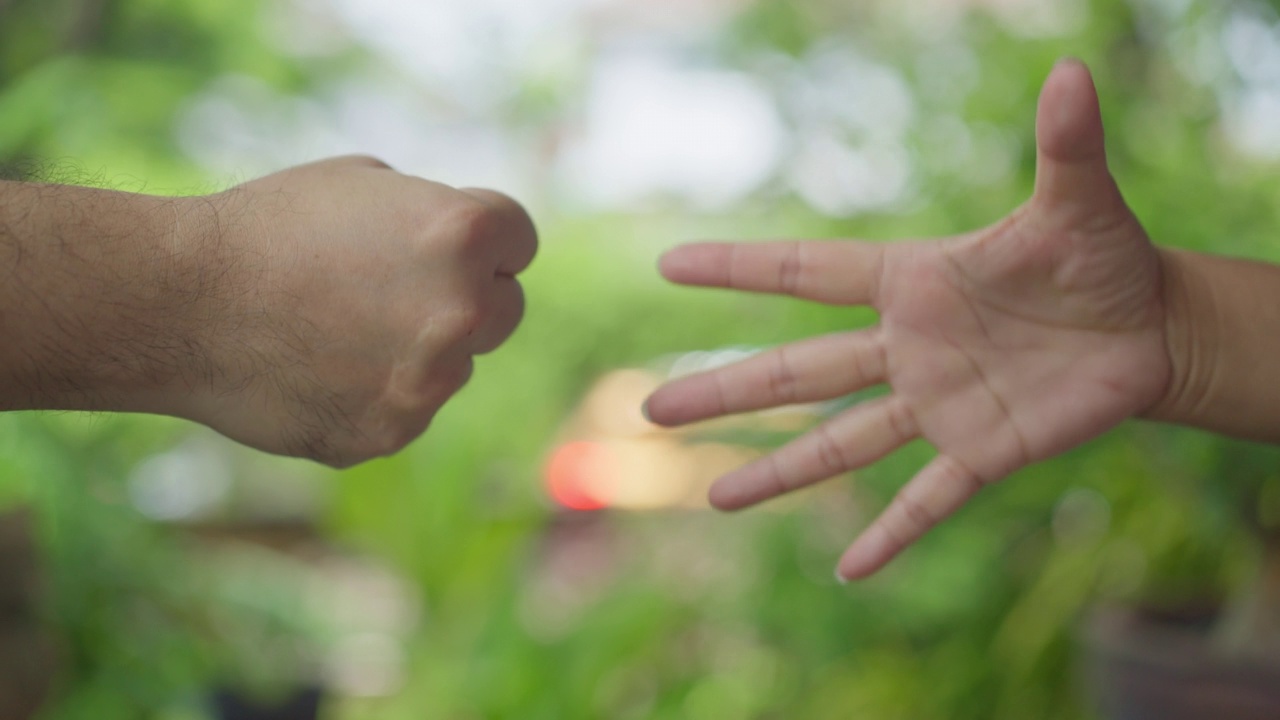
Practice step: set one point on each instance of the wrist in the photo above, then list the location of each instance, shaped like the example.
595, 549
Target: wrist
138, 303
1191, 327
223, 259
133, 294
189, 288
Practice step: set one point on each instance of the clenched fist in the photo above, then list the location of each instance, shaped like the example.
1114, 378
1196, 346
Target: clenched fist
359, 297
327, 311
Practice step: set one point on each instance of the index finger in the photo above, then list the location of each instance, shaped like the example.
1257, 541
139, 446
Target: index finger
842, 272
514, 226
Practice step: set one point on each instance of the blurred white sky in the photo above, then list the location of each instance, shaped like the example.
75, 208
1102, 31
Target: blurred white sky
644, 115
640, 110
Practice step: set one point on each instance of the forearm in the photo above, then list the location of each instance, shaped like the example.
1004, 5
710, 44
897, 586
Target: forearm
1223, 334
99, 297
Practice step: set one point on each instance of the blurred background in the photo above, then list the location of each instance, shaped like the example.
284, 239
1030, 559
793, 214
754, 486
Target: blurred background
544, 552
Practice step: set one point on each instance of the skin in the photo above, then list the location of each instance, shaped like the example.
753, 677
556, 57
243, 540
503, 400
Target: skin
1001, 347
326, 312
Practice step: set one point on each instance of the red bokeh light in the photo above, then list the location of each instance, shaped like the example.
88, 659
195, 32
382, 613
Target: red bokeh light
568, 475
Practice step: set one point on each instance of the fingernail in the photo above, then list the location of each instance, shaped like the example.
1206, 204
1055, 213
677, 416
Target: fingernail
841, 578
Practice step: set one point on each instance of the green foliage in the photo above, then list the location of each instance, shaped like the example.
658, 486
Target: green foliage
693, 615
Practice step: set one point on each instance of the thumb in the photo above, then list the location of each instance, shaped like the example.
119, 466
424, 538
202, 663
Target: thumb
1073, 183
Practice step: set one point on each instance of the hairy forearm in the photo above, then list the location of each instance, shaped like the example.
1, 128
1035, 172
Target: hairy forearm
1223, 336
100, 297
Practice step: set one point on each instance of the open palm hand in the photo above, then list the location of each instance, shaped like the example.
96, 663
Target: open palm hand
1001, 347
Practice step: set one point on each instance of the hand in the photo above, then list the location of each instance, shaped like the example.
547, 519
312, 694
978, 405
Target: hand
352, 301
1000, 347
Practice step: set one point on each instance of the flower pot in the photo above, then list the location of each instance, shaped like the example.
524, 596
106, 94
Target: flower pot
301, 704
1147, 665
28, 656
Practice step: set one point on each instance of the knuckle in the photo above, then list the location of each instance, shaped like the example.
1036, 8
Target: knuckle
519, 302
471, 223
894, 530
722, 393
384, 444
455, 380
528, 229
365, 161
398, 438
523, 227
783, 383
469, 318
901, 421
783, 481
496, 334
399, 430
791, 269
958, 473
858, 367
916, 517
830, 454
